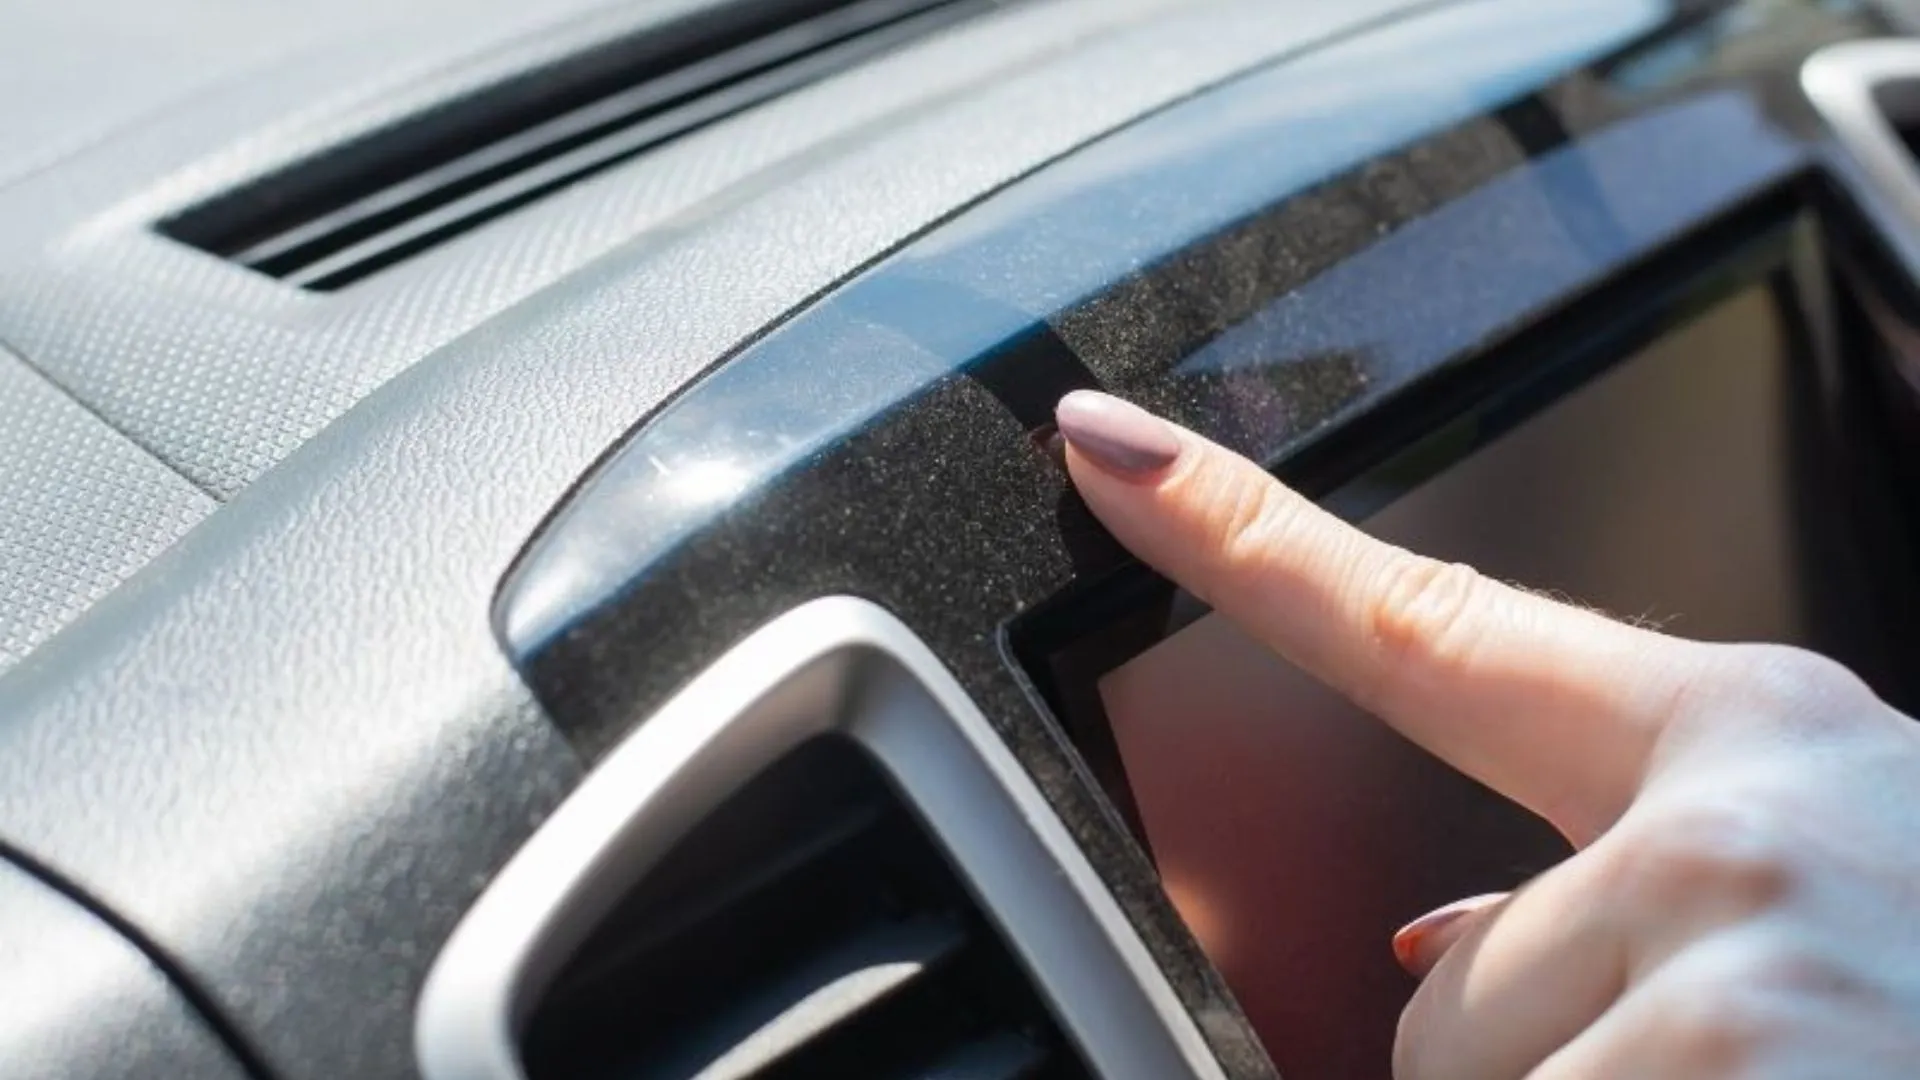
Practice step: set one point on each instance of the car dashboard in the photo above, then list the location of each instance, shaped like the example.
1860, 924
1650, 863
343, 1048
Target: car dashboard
533, 543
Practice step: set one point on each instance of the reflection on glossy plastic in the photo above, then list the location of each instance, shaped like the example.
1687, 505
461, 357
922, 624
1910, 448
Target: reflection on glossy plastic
1132, 262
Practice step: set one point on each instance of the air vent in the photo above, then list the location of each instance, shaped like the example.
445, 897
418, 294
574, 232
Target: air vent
333, 220
808, 928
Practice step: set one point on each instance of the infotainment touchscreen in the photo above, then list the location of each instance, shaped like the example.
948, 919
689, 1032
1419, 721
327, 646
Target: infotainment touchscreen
1293, 833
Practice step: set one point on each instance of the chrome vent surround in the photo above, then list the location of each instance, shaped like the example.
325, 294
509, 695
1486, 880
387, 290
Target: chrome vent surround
1869, 94
925, 913
329, 221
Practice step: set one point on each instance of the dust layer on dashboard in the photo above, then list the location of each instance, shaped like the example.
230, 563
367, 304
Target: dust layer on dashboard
1312, 264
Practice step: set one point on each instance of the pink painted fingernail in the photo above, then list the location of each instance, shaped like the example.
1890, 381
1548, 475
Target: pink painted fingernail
1115, 435
1420, 944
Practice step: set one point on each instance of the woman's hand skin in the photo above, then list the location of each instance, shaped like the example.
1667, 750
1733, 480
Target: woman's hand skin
1745, 901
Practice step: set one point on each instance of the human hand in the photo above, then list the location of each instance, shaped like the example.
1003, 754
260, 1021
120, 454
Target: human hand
1745, 898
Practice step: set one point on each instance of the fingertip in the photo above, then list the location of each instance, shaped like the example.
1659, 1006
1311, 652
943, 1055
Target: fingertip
1406, 950
1420, 945
1116, 437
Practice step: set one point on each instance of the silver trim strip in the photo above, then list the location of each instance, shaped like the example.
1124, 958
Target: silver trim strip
838, 664
1840, 81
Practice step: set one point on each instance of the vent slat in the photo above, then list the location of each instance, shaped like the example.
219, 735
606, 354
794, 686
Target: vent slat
332, 221
1005, 1056
566, 130
808, 928
834, 841
519, 151
832, 989
438, 221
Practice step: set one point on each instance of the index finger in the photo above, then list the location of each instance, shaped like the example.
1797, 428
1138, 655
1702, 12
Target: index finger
1555, 707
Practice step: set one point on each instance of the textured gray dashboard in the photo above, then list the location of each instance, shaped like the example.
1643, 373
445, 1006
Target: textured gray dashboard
91, 482
81, 508
62, 972
290, 750
217, 370
74, 73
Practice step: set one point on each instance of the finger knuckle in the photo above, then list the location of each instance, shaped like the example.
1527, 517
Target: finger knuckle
1250, 524
1727, 858
1711, 1030
1422, 611
1794, 684
1795, 975
1733, 1002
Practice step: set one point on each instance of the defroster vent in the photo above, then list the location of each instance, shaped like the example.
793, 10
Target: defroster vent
334, 219
809, 928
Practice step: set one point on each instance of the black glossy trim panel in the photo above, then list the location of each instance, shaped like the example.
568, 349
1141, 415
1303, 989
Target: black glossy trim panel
1346, 236
1159, 257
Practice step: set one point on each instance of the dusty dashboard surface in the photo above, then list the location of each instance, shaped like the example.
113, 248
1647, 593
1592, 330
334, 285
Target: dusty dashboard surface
1565, 331
258, 721
345, 534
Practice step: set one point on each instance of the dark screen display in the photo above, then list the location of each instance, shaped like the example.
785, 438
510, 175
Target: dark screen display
1294, 833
